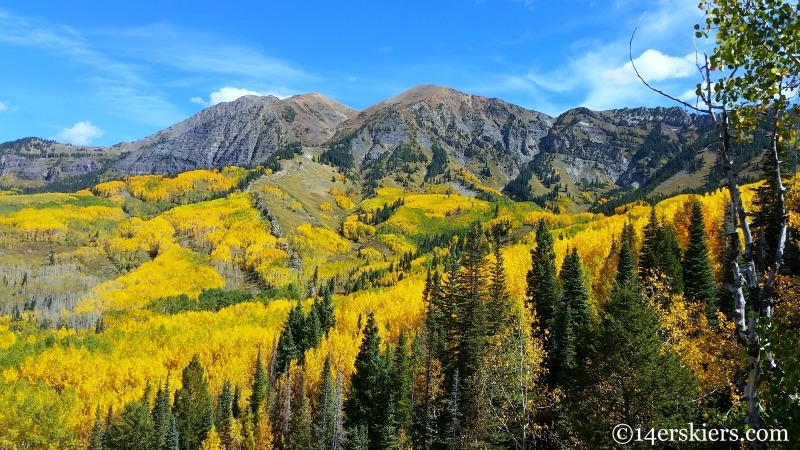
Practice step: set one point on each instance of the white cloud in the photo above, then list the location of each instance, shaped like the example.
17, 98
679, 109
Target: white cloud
229, 94
82, 133
3, 107
652, 66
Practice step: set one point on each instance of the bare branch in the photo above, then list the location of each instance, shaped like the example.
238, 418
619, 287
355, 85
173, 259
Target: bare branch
630, 54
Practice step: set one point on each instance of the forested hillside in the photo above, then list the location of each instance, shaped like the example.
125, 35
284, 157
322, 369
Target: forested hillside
216, 310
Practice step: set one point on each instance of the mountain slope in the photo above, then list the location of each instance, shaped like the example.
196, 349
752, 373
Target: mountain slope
242, 132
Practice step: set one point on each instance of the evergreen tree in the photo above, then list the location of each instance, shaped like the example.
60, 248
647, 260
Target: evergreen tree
134, 430
649, 253
542, 279
400, 387
366, 404
698, 279
572, 322
313, 329
299, 437
224, 416
96, 435
260, 387
499, 302
193, 409
453, 436
323, 423
172, 438
161, 414
670, 258
631, 379
287, 349
626, 268
236, 409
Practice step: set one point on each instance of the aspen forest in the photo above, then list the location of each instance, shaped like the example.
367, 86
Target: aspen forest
235, 308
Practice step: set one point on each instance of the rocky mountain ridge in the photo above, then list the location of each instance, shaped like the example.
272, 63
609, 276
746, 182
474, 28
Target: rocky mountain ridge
494, 141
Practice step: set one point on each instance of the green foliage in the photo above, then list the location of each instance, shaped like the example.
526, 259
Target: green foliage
572, 320
627, 376
209, 300
698, 279
542, 287
366, 406
438, 162
194, 413
133, 431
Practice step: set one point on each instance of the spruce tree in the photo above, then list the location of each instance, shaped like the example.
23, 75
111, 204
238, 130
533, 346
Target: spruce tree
631, 380
161, 414
172, 438
96, 435
400, 388
626, 268
260, 387
193, 407
287, 349
572, 322
649, 253
134, 430
366, 405
299, 437
499, 302
698, 279
224, 416
542, 279
324, 407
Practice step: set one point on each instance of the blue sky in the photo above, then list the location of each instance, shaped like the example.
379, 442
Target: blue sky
101, 72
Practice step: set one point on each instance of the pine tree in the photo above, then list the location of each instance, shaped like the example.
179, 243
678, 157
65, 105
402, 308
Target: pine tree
400, 387
224, 415
366, 404
299, 437
631, 380
96, 435
324, 407
287, 349
193, 409
134, 430
572, 322
542, 279
453, 436
236, 409
499, 302
161, 414
260, 387
698, 279
649, 253
172, 438
626, 268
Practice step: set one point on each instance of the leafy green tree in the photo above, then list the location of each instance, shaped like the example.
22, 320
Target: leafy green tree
193, 409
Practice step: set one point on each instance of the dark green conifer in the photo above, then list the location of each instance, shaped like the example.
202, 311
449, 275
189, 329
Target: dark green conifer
172, 439
161, 414
260, 387
193, 407
366, 404
299, 436
698, 279
542, 279
96, 435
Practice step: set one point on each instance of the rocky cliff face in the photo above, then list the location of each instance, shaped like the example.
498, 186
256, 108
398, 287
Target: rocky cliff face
468, 127
39, 160
624, 144
242, 132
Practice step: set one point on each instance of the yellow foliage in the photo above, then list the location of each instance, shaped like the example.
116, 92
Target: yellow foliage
110, 188
354, 229
176, 271
312, 240
336, 191
325, 206
7, 337
345, 203
275, 193
399, 245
